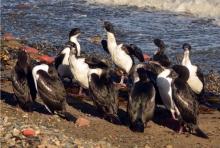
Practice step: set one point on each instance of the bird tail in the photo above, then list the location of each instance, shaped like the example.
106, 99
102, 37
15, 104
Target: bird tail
69, 116
113, 118
200, 133
137, 126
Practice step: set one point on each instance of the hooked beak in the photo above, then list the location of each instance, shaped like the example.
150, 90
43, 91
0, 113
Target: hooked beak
150, 40
102, 21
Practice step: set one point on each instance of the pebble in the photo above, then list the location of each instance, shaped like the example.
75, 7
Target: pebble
169, 146
8, 136
16, 132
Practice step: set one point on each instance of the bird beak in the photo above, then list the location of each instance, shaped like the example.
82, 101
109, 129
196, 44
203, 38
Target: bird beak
102, 21
152, 41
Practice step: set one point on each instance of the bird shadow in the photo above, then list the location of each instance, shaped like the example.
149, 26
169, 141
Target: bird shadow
8, 98
163, 117
87, 107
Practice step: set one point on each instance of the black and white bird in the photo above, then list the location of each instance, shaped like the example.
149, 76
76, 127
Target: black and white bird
141, 101
164, 80
104, 94
159, 54
61, 61
186, 101
51, 90
121, 54
79, 67
23, 82
196, 78
151, 73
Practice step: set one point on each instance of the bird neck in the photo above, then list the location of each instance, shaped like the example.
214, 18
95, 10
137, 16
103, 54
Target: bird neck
111, 41
165, 73
186, 59
74, 40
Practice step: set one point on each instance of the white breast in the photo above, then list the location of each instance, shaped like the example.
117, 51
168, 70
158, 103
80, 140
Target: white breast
79, 69
164, 85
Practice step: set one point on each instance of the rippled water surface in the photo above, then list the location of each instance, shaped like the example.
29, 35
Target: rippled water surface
51, 21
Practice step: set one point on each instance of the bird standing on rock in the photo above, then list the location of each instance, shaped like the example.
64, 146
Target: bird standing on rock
121, 54
186, 102
141, 101
103, 94
23, 82
61, 61
51, 90
196, 78
79, 66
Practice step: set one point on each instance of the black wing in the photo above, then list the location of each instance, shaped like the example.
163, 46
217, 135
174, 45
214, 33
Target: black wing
51, 91
137, 52
31, 84
59, 60
133, 50
20, 85
95, 63
105, 46
185, 100
104, 95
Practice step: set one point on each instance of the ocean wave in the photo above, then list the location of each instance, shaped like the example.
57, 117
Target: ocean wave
201, 8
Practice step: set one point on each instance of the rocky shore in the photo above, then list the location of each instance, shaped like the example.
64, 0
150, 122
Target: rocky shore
41, 130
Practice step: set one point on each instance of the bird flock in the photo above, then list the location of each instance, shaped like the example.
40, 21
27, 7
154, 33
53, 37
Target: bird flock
157, 81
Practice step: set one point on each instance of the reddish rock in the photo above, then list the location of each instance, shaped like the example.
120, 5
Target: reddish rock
28, 132
82, 122
24, 6
7, 36
29, 49
146, 56
46, 58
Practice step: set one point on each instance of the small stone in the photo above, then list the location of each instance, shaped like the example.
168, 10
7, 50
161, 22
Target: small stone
57, 142
82, 122
102, 142
12, 143
147, 146
169, 146
7, 36
41, 146
28, 132
29, 49
45, 58
8, 136
16, 132
51, 146
76, 141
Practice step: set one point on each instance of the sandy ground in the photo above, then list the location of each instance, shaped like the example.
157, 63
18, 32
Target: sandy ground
159, 133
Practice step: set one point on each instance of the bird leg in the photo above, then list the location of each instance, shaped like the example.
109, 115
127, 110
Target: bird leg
181, 131
122, 80
78, 95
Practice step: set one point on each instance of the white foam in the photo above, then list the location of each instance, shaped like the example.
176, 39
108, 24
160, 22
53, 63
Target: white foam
200, 8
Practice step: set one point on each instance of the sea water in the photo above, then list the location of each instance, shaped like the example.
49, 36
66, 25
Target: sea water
176, 22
